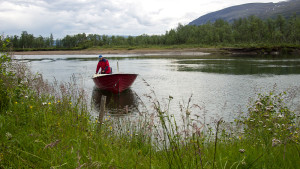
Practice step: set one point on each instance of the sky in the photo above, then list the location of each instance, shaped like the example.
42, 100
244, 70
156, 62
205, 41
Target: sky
104, 17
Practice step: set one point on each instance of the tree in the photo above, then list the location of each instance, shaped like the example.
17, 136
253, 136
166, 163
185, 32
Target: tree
280, 24
51, 40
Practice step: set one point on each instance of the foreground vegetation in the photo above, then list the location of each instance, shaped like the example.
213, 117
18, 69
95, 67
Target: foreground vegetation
244, 32
48, 126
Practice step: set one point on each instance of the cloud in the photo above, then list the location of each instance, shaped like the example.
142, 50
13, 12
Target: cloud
111, 17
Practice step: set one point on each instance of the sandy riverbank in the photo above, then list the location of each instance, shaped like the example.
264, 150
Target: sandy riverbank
190, 51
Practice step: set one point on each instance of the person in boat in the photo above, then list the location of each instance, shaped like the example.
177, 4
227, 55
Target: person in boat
104, 65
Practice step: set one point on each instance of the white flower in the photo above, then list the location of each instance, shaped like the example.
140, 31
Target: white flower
8, 135
259, 103
277, 125
275, 142
269, 108
242, 150
279, 116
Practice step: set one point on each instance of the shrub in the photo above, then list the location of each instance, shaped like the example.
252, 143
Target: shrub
270, 119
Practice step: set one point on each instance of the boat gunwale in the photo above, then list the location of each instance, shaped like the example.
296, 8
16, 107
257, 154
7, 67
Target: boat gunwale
102, 75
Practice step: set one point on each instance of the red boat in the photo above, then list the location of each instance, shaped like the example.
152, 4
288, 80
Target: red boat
115, 83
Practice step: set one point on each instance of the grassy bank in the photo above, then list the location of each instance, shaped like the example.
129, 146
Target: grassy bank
49, 126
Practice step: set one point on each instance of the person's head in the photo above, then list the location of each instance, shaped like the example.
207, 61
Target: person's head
100, 57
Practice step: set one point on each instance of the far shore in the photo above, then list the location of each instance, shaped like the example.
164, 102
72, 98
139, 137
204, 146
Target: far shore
170, 51
189, 51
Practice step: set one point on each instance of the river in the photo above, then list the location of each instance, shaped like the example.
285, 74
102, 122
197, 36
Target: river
218, 85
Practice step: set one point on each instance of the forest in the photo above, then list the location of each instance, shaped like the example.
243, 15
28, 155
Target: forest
239, 33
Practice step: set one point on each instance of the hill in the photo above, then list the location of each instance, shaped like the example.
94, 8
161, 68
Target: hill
261, 10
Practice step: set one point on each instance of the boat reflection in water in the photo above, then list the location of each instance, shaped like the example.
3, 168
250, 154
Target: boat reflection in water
116, 103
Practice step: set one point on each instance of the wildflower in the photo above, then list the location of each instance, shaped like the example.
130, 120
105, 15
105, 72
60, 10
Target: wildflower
269, 108
96, 121
275, 142
26, 97
242, 150
259, 104
44, 103
58, 101
49, 103
30, 107
70, 103
16, 102
8, 135
279, 116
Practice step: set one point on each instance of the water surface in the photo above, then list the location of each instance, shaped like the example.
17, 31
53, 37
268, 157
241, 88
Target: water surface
220, 84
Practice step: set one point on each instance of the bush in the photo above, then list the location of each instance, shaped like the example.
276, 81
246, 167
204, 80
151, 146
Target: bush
270, 119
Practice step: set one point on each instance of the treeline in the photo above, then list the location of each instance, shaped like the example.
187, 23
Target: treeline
29, 41
251, 30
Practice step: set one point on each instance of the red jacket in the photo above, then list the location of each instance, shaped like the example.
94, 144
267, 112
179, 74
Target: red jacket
104, 65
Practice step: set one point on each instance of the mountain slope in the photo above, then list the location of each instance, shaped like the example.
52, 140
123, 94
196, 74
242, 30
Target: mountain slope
261, 10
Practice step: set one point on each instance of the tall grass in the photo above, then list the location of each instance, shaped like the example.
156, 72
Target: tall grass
46, 125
